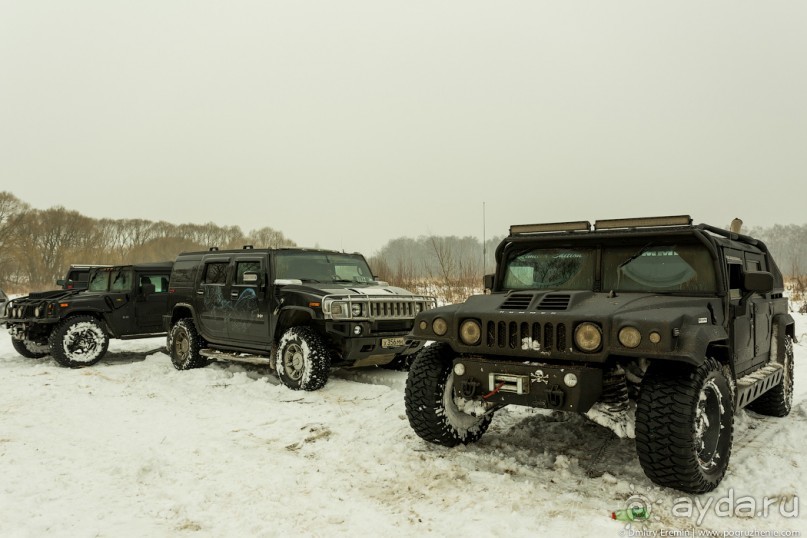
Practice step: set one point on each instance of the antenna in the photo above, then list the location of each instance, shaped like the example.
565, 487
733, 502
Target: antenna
484, 245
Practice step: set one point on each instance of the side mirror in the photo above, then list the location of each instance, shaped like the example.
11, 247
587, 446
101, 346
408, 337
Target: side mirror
488, 281
757, 281
60, 282
251, 278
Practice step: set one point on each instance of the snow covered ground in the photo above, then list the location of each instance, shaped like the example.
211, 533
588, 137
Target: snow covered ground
132, 447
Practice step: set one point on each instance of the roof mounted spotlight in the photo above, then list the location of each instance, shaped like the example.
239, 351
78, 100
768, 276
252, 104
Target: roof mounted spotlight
213, 249
644, 222
247, 247
521, 229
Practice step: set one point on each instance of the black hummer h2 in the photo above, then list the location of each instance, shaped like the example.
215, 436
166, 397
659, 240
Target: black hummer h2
74, 326
298, 311
689, 321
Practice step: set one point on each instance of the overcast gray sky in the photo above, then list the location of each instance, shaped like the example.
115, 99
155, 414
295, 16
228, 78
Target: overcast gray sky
346, 124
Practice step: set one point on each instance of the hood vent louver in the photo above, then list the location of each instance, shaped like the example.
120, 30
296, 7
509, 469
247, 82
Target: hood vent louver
554, 301
517, 301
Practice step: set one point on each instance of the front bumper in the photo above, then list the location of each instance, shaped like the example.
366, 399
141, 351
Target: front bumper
531, 384
369, 347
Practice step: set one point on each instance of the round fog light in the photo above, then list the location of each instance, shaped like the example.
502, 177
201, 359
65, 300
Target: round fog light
630, 337
459, 368
655, 337
570, 380
357, 330
439, 326
423, 325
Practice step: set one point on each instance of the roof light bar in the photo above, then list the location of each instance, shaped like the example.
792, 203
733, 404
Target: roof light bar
676, 220
518, 229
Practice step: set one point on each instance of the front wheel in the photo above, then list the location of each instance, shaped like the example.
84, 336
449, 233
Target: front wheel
685, 425
79, 341
29, 349
430, 406
303, 361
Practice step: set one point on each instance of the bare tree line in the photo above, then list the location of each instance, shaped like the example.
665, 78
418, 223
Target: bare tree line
37, 246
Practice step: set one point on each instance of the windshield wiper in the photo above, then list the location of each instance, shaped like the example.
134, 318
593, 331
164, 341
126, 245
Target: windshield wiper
638, 253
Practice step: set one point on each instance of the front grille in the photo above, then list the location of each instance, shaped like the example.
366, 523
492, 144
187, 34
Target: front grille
392, 309
517, 301
525, 336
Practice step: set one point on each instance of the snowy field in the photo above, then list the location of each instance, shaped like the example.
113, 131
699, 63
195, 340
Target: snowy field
132, 447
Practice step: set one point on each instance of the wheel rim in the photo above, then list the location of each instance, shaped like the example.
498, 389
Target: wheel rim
708, 426
294, 362
182, 345
83, 342
461, 421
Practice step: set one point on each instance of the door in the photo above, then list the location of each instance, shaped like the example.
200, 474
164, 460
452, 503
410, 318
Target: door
212, 300
150, 305
249, 315
742, 335
761, 315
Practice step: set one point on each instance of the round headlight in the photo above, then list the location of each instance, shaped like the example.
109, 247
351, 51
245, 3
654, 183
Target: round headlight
439, 326
630, 337
655, 337
355, 310
470, 332
588, 337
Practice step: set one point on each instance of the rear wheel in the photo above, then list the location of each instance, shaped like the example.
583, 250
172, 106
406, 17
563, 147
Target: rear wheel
79, 341
685, 425
430, 406
778, 400
184, 344
29, 349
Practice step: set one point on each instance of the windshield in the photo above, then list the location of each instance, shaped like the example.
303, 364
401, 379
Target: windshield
323, 267
568, 269
647, 268
111, 280
658, 268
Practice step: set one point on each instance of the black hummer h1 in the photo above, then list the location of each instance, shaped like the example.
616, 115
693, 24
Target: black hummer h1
74, 326
298, 311
689, 321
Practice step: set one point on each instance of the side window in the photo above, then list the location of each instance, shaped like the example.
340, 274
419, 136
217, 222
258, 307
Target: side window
215, 273
160, 282
246, 267
121, 280
735, 280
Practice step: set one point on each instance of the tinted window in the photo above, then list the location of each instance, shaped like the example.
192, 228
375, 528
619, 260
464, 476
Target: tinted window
160, 282
246, 267
216, 273
184, 272
658, 268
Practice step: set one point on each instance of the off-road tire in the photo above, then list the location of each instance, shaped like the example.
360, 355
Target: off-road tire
30, 350
685, 425
429, 401
778, 400
303, 361
79, 341
184, 344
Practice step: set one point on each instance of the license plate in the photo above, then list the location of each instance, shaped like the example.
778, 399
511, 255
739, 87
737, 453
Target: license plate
393, 342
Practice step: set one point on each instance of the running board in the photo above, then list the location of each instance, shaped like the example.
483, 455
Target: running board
754, 385
217, 355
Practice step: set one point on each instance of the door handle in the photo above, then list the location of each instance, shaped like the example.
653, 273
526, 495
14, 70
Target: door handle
200, 292
234, 294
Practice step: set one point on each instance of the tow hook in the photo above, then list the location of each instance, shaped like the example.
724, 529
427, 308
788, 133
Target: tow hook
469, 388
554, 397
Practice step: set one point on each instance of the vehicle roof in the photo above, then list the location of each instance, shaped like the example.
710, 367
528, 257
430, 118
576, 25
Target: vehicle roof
141, 266
266, 250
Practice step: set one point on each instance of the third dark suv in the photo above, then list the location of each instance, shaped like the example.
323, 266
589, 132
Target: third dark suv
688, 321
